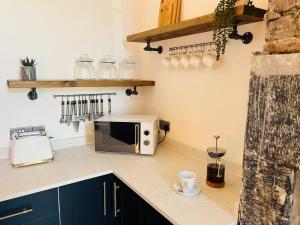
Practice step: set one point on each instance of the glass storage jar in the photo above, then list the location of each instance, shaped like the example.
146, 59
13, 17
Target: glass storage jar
106, 69
84, 68
128, 69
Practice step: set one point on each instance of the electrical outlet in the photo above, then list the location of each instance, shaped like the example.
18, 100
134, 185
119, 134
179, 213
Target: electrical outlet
164, 125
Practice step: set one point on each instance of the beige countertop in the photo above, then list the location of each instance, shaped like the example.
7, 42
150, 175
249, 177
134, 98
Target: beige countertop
152, 177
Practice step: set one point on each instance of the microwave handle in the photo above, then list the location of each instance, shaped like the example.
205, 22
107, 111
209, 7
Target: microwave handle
137, 138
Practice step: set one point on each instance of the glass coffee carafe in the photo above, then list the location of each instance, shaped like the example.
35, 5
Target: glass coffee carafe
215, 166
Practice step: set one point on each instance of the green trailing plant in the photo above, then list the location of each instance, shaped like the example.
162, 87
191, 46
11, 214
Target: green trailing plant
28, 62
223, 23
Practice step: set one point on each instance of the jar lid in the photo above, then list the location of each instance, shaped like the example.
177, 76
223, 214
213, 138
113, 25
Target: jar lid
107, 59
84, 58
216, 153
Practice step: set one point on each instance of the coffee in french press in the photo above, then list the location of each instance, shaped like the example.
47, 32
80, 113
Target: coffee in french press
215, 166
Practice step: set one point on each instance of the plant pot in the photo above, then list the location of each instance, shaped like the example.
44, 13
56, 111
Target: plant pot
242, 2
28, 72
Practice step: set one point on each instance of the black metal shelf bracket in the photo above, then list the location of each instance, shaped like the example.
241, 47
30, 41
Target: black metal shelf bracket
32, 94
148, 48
246, 37
133, 91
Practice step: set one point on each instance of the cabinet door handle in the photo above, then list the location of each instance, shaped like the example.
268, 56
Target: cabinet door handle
116, 210
24, 211
137, 138
104, 199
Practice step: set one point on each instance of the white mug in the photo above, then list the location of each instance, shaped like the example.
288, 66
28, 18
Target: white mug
185, 61
167, 62
210, 61
187, 180
196, 61
175, 62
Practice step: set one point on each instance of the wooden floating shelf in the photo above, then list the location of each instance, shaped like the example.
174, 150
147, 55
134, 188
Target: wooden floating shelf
78, 83
244, 15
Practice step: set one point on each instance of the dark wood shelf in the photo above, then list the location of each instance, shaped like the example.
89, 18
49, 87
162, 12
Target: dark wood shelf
77, 83
244, 15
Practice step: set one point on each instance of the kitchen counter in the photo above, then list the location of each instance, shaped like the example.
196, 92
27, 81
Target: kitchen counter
152, 177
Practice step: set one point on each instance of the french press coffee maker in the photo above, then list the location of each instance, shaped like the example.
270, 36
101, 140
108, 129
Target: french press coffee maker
215, 166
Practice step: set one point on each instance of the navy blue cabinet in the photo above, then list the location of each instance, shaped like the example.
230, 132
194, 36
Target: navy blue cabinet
31, 208
127, 204
103, 200
86, 202
51, 220
133, 210
149, 216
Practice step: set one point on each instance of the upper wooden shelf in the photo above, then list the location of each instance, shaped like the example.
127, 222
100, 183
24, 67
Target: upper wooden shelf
77, 83
244, 14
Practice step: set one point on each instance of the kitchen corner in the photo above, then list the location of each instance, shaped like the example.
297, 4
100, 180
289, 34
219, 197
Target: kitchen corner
149, 177
138, 112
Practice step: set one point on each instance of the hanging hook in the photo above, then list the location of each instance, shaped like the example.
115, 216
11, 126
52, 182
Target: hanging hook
190, 49
185, 50
180, 51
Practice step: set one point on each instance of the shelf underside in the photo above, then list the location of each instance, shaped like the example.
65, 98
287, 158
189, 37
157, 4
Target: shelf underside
77, 83
243, 14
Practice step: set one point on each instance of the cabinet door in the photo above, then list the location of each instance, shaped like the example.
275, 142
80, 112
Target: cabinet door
149, 216
131, 209
156, 218
51, 220
83, 203
29, 208
126, 204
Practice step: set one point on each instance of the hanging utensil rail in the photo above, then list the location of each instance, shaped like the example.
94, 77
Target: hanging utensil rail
188, 49
85, 95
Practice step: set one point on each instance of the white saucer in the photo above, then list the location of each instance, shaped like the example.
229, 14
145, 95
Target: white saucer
193, 192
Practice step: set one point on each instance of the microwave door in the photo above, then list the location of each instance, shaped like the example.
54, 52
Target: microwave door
117, 137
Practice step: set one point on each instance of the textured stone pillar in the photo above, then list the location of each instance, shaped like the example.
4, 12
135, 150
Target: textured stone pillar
272, 143
295, 213
271, 164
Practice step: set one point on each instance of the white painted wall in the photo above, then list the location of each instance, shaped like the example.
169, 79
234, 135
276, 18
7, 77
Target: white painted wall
199, 103
55, 32
204, 102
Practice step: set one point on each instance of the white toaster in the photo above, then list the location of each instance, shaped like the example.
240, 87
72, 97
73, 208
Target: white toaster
29, 145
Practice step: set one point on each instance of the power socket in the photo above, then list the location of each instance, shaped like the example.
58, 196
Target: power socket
164, 125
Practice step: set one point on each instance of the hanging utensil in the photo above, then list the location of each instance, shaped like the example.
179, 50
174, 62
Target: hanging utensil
72, 111
101, 107
68, 114
83, 116
90, 114
80, 108
96, 114
86, 110
76, 119
109, 105
63, 116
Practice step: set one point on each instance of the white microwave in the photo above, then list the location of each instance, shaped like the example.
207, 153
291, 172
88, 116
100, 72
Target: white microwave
135, 134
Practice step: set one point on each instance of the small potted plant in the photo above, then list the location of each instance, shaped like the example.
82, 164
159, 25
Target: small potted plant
28, 69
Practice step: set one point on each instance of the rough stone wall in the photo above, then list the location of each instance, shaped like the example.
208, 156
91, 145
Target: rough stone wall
283, 26
271, 164
272, 150
295, 214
